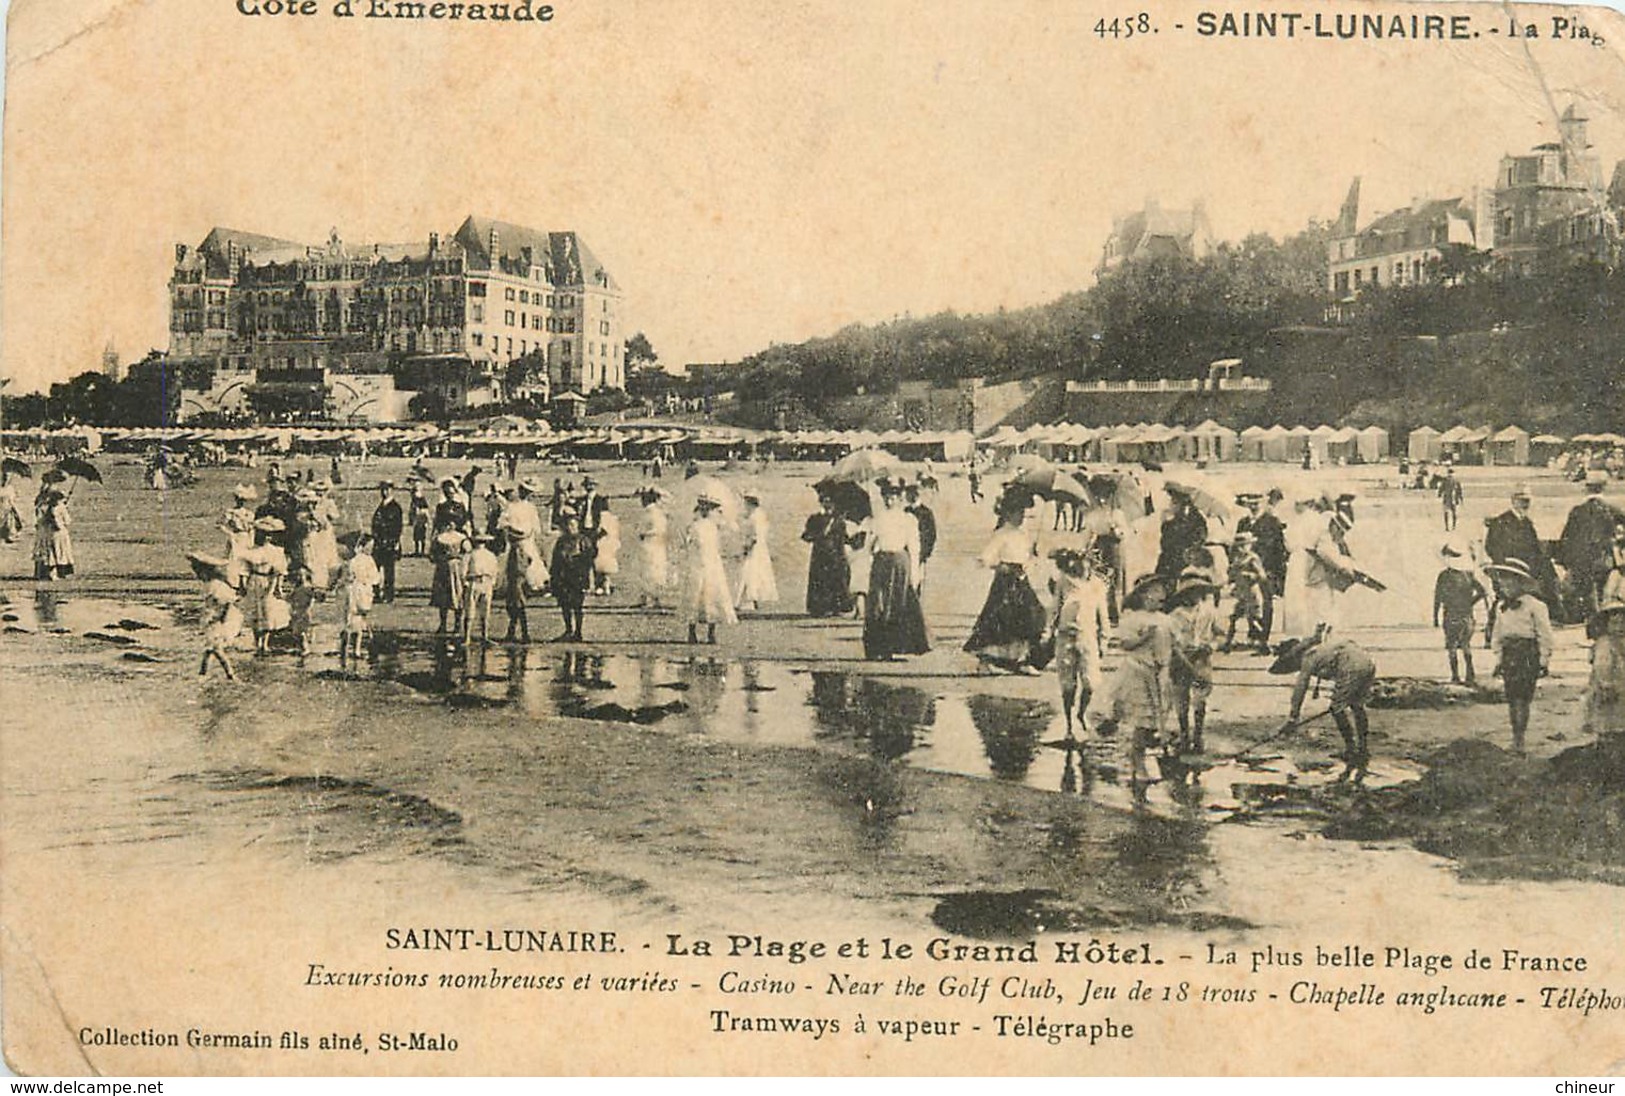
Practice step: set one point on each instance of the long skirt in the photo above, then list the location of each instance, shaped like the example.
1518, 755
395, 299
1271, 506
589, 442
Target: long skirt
893, 623
1605, 699
1011, 625
827, 578
446, 591
756, 582
705, 595
1520, 668
656, 565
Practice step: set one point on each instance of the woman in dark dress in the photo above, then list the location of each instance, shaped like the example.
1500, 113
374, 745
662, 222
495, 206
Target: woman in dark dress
827, 572
1008, 632
893, 623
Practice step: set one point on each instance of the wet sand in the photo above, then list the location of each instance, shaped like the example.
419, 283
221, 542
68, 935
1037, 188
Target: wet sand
772, 780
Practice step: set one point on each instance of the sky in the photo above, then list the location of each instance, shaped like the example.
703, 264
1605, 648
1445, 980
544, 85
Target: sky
750, 173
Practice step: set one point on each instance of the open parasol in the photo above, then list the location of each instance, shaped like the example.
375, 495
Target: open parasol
865, 466
1040, 477
851, 500
79, 468
1201, 498
1117, 491
709, 487
12, 466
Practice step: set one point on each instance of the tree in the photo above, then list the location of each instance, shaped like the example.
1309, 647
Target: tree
639, 353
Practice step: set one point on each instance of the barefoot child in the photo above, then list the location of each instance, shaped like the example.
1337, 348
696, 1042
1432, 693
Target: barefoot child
1140, 696
357, 585
302, 598
1080, 632
1455, 594
1249, 585
222, 620
1195, 623
1522, 640
479, 587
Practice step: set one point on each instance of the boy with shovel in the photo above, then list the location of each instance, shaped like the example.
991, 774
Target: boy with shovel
1350, 670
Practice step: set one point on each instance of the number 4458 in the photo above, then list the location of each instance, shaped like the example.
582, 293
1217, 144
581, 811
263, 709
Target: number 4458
1124, 27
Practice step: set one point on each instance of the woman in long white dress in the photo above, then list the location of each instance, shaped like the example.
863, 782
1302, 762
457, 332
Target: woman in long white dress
321, 542
757, 586
654, 540
606, 562
706, 597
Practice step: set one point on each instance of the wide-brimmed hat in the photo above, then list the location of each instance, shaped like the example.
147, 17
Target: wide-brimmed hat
1455, 556
1514, 569
245, 492
752, 493
206, 566
269, 524
386, 483
1289, 655
323, 485
449, 481
530, 486
650, 494
1146, 585
1193, 585
451, 538
1247, 498
1597, 477
1075, 561
480, 536
1241, 539
1521, 491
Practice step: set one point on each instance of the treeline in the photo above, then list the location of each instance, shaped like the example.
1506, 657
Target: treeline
149, 396
1149, 318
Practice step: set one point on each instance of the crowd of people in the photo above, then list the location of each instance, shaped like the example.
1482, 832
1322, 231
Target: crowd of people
1168, 580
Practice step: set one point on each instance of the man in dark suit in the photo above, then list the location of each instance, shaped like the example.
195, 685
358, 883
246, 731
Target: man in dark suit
926, 518
1269, 543
591, 506
387, 523
1586, 547
1450, 497
1511, 534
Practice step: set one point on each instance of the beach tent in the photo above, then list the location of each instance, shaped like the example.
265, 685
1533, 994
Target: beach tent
1464, 444
1343, 446
1251, 444
1372, 444
1423, 444
1213, 442
1508, 447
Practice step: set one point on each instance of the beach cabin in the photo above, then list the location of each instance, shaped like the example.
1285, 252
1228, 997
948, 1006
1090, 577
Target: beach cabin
1212, 442
1508, 447
1372, 444
1464, 444
1545, 448
1250, 444
1343, 446
1423, 444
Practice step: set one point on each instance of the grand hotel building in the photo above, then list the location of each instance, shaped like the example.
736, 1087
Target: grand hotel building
448, 314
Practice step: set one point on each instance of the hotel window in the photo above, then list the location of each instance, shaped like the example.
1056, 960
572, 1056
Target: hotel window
479, 340
507, 317
523, 318
508, 293
524, 296
476, 289
477, 313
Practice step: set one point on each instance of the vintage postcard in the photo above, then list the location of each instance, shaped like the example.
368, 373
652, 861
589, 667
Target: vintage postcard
709, 537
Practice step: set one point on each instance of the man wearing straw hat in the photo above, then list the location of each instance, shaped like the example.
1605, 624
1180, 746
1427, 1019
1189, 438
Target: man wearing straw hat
1511, 535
